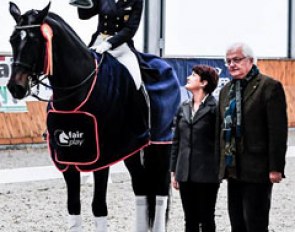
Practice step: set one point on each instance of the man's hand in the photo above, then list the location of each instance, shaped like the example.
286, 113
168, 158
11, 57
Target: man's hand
275, 177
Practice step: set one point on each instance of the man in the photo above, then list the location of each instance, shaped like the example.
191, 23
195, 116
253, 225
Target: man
253, 139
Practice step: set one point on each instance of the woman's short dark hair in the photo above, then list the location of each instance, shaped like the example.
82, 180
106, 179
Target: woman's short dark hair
209, 74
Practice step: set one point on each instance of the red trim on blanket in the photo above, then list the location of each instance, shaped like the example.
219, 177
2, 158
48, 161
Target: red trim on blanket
88, 95
110, 164
91, 89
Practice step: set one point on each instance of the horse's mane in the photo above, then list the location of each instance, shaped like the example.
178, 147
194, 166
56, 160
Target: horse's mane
56, 21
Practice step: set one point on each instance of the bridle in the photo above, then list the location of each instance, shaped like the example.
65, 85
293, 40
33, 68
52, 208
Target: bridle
21, 63
35, 80
76, 87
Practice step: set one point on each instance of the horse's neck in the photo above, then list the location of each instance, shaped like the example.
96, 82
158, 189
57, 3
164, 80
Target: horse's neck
71, 65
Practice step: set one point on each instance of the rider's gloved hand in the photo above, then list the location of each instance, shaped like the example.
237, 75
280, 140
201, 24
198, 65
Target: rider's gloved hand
103, 47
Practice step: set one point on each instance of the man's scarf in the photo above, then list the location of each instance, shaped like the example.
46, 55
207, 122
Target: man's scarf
233, 115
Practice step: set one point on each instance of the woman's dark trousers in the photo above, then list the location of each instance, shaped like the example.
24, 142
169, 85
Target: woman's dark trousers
198, 201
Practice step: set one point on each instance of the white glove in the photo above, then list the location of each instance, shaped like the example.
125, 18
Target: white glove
103, 47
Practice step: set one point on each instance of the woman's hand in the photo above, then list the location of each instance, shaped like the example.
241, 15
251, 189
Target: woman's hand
174, 182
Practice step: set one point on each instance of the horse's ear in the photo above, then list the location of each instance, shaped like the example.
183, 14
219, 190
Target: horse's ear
14, 11
43, 13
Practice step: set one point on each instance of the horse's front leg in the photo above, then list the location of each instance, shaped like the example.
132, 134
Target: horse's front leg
99, 203
72, 179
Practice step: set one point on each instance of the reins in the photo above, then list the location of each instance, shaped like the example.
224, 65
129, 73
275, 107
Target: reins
26, 26
73, 87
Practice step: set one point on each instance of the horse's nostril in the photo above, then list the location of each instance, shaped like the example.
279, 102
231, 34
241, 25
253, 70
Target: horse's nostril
17, 91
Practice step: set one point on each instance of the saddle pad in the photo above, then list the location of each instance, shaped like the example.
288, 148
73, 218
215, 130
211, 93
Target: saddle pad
74, 137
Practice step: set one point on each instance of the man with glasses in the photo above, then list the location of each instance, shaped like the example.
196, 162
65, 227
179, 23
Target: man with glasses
253, 139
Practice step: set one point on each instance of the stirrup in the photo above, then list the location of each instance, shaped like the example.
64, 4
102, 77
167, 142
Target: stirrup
85, 4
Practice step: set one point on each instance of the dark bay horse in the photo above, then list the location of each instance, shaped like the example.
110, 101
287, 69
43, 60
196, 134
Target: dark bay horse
96, 117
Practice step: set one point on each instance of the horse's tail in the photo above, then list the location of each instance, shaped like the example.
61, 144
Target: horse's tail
151, 201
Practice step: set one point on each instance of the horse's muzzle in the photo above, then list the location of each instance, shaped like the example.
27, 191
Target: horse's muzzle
18, 85
17, 91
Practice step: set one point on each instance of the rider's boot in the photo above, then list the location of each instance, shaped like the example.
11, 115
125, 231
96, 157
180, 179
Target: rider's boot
160, 214
100, 224
141, 214
75, 223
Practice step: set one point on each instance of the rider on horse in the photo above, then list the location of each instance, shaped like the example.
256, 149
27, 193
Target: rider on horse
118, 23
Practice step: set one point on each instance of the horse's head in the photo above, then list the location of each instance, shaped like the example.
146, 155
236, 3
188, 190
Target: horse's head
28, 48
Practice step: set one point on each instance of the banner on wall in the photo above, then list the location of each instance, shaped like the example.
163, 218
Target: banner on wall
183, 68
7, 102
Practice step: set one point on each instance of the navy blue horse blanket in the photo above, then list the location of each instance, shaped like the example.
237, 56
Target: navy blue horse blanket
116, 120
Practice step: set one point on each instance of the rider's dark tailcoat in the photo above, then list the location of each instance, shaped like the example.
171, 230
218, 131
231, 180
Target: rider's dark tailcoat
121, 19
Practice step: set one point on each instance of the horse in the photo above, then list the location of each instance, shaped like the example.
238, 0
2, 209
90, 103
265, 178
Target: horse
96, 116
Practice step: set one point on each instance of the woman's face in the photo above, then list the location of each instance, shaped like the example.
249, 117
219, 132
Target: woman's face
194, 82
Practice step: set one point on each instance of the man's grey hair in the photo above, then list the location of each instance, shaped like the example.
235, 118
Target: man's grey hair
246, 50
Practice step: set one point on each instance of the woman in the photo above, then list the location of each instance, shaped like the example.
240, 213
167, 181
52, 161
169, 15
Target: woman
194, 161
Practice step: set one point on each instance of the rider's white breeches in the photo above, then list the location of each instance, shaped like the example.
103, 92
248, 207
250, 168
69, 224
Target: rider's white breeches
126, 57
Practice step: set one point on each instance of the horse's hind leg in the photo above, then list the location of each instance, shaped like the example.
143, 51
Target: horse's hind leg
72, 179
150, 178
140, 189
157, 161
99, 203
137, 172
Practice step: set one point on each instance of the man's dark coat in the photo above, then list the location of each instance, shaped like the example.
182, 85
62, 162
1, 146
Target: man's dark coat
264, 130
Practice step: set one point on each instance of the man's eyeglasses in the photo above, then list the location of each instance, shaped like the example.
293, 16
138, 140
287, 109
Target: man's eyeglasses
235, 60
